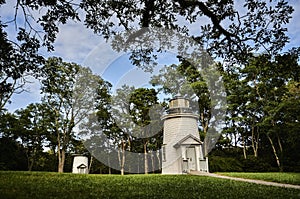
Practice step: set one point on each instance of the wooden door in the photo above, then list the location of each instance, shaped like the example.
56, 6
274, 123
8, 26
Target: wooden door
191, 157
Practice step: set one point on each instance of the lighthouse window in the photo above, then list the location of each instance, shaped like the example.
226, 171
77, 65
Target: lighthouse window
163, 153
174, 103
186, 103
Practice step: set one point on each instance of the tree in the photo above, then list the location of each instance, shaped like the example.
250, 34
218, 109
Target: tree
141, 101
243, 113
262, 22
95, 141
235, 97
42, 26
13, 155
20, 57
17, 63
125, 122
70, 92
110, 128
256, 95
33, 131
286, 113
228, 32
120, 123
272, 91
7, 125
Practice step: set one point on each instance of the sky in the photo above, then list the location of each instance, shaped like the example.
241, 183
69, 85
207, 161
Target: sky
75, 43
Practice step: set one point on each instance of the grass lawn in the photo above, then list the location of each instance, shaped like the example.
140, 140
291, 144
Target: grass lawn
53, 185
289, 178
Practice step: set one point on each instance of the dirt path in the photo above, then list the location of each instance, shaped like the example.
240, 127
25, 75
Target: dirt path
246, 180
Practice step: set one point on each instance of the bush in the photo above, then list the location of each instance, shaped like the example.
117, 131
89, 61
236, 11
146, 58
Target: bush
231, 164
224, 164
12, 156
254, 164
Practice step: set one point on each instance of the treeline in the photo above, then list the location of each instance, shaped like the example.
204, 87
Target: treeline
262, 111
79, 114
78, 107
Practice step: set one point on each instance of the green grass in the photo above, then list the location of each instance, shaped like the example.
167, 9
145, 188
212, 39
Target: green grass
53, 185
288, 178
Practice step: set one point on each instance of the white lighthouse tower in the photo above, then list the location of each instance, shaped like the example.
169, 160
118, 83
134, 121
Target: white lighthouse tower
182, 147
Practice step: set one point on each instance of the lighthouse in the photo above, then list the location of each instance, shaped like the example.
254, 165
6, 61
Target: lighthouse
182, 148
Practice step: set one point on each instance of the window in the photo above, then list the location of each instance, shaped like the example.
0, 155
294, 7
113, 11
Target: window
174, 103
186, 103
163, 153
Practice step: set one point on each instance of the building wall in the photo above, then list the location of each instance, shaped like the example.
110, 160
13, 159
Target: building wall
78, 160
175, 129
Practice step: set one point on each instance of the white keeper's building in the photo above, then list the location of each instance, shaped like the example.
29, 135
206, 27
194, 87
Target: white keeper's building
182, 148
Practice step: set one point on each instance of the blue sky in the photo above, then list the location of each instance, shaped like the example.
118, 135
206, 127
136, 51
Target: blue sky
75, 43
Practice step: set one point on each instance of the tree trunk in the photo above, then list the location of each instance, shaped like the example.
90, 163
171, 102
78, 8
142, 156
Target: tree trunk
254, 141
119, 158
158, 159
109, 169
30, 159
61, 160
61, 153
275, 153
204, 125
60, 146
30, 165
145, 156
279, 144
152, 161
91, 162
244, 148
122, 157
281, 151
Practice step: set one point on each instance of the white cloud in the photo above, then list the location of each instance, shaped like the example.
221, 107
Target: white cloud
75, 42
294, 25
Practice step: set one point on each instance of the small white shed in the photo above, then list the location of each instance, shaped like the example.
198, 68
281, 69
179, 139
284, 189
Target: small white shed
80, 164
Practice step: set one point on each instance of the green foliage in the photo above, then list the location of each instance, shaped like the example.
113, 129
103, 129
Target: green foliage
128, 122
44, 28
260, 23
32, 131
23, 136
17, 61
224, 164
70, 93
53, 185
262, 109
254, 164
12, 156
231, 160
